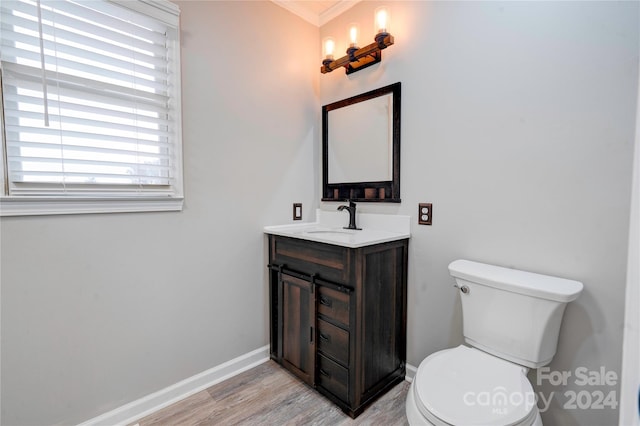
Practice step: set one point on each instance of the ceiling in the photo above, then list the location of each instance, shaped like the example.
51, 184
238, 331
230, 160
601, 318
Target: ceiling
317, 12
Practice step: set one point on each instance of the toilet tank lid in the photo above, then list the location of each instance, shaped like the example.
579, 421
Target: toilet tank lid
529, 283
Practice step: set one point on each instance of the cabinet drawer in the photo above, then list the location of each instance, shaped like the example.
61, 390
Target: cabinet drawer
327, 261
333, 378
333, 304
333, 341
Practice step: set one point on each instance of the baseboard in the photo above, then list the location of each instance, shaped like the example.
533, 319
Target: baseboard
410, 372
149, 404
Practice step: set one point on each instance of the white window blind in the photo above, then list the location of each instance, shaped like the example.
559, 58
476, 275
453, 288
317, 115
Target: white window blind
91, 98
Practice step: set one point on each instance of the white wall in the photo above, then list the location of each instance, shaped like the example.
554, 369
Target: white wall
99, 310
518, 125
630, 386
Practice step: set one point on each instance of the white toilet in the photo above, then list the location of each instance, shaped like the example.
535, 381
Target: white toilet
512, 320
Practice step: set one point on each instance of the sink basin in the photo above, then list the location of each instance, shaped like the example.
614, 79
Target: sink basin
335, 235
331, 231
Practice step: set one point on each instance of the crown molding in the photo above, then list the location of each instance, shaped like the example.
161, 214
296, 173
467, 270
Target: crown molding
313, 18
335, 10
299, 10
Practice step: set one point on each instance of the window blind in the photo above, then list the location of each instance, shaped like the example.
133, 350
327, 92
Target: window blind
91, 99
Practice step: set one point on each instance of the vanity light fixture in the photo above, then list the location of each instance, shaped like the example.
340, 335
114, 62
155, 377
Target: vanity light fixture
359, 58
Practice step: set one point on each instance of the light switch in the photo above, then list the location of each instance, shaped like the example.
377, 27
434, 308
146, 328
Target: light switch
297, 211
425, 213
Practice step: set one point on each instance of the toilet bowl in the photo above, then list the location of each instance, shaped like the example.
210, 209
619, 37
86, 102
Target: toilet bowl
511, 320
465, 386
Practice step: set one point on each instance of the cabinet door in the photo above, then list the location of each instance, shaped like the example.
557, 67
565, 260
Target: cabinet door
298, 323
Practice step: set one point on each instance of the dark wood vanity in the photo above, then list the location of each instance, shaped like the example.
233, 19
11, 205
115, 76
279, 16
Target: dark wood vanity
338, 316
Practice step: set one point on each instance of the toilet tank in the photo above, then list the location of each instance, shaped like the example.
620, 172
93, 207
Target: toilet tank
515, 315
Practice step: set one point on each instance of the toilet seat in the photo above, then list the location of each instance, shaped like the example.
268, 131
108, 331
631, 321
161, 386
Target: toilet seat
465, 386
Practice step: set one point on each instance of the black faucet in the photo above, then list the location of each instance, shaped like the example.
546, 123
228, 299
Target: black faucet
352, 215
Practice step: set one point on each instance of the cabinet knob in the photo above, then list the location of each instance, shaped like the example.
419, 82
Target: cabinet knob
325, 301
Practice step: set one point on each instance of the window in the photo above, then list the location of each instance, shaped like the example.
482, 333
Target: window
91, 106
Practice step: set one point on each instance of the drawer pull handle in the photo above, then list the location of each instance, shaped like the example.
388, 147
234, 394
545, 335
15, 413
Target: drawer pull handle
325, 337
325, 301
324, 373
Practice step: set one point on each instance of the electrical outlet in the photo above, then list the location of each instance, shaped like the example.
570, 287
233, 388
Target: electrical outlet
297, 211
425, 213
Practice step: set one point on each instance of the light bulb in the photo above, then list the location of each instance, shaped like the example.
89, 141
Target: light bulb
329, 47
353, 35
382, 19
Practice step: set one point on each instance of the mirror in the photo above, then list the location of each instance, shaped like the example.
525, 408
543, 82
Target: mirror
361, 147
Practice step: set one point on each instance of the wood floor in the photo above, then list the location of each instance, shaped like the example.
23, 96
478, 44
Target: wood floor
269, 395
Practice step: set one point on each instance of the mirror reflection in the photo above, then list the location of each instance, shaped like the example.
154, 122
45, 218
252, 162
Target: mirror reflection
349, 145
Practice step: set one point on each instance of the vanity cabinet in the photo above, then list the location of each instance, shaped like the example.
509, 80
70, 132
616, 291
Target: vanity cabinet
338, 316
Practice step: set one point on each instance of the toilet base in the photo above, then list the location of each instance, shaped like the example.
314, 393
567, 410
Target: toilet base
415, 417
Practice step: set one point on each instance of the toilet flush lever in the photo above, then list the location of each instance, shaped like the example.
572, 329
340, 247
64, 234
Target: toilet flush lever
463, 289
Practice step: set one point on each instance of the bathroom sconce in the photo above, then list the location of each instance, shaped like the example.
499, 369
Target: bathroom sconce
359, 58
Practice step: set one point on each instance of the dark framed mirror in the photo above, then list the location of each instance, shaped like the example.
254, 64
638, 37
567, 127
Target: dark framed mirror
361, 147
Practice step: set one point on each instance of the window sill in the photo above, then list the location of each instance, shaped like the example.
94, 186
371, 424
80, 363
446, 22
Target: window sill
40, 206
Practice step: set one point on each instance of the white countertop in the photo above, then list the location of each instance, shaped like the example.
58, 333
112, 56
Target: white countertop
328, 228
